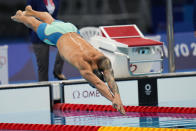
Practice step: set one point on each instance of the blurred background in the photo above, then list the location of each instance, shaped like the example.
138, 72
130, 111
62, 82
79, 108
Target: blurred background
148, 15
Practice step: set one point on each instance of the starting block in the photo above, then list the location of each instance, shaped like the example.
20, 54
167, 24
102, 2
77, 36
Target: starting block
145, 54
129, 51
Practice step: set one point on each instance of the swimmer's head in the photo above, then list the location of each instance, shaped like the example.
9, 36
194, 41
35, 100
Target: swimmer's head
99, 74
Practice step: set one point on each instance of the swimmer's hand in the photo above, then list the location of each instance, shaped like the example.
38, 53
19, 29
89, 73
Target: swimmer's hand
117, 104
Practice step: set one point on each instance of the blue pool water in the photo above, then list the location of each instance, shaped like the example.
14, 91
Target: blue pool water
158, 120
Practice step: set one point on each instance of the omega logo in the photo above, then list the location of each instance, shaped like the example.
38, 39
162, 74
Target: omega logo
85, 94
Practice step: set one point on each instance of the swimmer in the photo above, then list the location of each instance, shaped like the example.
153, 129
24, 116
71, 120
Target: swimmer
91, 63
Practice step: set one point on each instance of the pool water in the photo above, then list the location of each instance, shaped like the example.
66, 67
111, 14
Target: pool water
102, 118
131, 119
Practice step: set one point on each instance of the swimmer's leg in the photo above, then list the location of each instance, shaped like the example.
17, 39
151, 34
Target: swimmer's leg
28, 21
104, 64
43, 16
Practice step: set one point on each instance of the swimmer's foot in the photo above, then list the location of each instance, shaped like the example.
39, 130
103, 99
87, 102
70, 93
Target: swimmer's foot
18, 16
28, 10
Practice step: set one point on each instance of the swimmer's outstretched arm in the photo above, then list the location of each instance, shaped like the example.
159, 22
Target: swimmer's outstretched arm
85, 68
105, 65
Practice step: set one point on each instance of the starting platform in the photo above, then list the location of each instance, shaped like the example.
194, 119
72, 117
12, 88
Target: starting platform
129, 51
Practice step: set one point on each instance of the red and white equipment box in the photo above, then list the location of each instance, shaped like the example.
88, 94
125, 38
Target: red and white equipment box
145, 55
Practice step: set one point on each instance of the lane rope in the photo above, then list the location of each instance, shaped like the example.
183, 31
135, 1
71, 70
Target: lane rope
149, 109
48, 127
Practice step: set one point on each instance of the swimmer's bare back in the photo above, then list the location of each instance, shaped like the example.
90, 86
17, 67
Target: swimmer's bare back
74, 47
